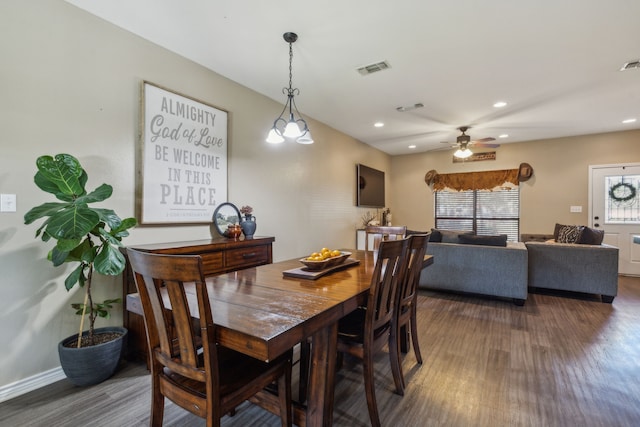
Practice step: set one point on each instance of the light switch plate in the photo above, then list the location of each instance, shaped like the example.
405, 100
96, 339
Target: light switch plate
576, 209
7, 202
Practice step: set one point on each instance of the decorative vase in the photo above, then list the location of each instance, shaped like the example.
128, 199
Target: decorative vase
91, 365
233, 231
248, 226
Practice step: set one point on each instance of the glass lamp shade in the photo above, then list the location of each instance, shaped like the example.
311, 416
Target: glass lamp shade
292, 130
273, 137
305, 139
463, 154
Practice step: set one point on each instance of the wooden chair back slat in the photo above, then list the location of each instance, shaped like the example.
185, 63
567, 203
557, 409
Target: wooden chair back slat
384, 282
415, 257
173, 337
382, 233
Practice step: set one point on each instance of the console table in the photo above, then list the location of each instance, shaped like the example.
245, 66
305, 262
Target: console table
219, 256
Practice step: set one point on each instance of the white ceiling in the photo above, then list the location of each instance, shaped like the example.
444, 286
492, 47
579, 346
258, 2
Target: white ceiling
555, 62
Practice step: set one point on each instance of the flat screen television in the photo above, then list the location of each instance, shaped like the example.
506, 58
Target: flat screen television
370, 187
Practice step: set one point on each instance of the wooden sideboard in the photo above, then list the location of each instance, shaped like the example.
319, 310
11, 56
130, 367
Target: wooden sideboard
218, 255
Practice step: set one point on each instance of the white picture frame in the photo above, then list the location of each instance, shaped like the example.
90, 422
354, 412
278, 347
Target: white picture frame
182, 172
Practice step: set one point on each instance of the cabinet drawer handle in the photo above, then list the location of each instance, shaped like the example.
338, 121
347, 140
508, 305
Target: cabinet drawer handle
250, 255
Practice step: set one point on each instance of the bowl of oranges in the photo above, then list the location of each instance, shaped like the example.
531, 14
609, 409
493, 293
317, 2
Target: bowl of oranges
325, 258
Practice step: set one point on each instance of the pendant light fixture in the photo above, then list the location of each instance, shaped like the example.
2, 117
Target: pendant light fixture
289, 126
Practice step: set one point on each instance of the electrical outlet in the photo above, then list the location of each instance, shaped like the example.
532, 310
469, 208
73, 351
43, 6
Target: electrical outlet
576, 209
7, 202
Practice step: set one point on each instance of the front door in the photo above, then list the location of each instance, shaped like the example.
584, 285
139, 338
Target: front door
615, 208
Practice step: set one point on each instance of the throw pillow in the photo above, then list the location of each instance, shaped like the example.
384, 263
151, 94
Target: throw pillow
569, 234
556, 231
499, 240
452, 236
436, 236
591, 236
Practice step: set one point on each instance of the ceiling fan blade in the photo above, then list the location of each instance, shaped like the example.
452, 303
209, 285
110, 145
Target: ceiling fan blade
484, 140
487, 145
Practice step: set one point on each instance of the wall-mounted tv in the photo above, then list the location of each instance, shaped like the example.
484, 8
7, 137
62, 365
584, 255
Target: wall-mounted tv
370, 187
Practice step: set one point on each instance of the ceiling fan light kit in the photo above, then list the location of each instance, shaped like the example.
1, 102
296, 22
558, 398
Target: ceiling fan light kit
463, 142
463, 153
290, 127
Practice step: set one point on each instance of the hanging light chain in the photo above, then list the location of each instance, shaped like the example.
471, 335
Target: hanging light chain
290, 65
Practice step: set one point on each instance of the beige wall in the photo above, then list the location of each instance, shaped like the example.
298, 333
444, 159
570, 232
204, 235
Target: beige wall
71, 83
561, 178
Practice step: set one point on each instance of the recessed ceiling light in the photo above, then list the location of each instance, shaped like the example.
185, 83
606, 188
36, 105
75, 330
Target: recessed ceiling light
500, 104
627, 121
504, 135
378, 124
412, 146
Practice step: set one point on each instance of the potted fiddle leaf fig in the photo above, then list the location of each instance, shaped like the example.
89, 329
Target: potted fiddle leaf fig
88, 237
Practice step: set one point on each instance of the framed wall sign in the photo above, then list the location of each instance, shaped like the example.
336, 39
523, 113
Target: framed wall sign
183, 158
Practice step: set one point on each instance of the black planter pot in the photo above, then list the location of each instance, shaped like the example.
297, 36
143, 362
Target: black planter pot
91, 365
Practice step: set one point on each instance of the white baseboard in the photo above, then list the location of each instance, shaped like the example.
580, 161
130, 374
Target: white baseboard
26, 385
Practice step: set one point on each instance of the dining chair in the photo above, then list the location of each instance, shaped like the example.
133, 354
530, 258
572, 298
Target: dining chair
188, 366
404, 319
366, 330
382, 233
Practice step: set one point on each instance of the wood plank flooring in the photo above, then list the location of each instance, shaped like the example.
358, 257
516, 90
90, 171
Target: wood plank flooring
561, 360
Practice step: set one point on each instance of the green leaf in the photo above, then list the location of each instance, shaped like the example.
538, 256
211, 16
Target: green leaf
63, 171
109, 238
98, 195
82, 252
73, 222
50, 187
125, 225
109, 261
109, 217
102, 313
74, 277
57, 256
68, 245
45, 209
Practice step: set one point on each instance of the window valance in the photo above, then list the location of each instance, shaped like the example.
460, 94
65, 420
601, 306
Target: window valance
489, 180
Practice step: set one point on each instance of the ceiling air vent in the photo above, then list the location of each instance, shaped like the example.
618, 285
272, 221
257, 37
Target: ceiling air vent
630, 65
373, 68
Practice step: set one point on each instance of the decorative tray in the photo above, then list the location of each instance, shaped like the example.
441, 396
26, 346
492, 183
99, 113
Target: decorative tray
306, 273
325, 263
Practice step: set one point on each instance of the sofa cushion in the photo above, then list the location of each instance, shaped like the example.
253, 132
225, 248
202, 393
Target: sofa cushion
447, 236
569, 233
452, 236
472, 239
591, 236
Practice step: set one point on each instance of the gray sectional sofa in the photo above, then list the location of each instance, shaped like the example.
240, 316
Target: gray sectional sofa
499, 271
489, 265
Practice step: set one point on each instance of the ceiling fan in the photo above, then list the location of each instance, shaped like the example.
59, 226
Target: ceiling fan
464, 142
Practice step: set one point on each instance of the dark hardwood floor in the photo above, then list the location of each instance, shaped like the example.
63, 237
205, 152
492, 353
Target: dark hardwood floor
561, 360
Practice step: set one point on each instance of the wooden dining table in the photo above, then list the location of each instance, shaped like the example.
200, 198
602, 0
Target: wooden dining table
263, 313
